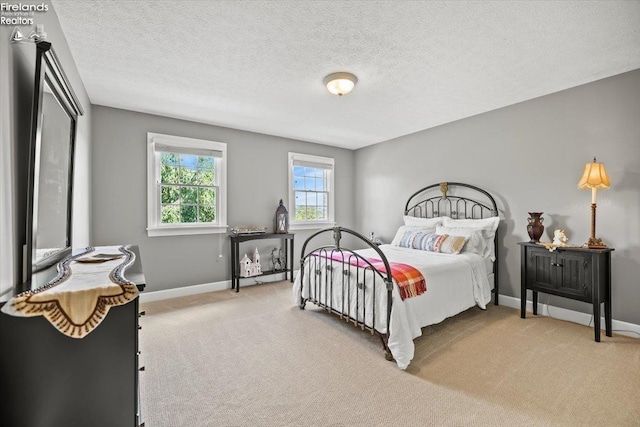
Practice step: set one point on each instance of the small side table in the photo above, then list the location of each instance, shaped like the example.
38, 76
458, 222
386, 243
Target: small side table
236, 239
576, 273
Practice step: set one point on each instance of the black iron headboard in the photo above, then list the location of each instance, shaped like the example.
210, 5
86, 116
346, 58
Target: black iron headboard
423, 205
449, 205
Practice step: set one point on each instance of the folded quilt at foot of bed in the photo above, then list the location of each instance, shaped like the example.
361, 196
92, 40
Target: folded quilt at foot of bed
410, 281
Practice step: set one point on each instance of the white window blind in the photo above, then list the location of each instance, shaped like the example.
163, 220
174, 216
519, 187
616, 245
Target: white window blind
315, 165
164, 148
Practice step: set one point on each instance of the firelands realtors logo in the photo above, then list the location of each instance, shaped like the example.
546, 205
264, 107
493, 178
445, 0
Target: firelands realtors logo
20, 14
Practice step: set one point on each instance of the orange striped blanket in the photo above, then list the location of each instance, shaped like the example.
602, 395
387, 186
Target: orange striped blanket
410, 281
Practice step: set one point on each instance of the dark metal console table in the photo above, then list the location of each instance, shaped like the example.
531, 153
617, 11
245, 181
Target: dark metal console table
235, 255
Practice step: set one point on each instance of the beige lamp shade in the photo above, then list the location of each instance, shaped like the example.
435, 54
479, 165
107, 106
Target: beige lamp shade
594, 176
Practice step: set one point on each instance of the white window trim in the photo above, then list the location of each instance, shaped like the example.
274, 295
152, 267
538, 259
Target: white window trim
154, 227
311, 225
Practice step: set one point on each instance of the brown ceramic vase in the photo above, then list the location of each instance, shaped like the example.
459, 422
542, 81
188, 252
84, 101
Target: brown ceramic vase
535, 227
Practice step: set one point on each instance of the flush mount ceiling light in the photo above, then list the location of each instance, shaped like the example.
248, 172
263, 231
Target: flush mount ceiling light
340, 83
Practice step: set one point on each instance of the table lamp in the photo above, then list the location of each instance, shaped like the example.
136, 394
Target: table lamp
594, 177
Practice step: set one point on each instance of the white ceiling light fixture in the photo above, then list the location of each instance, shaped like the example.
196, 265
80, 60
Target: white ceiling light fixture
340, 83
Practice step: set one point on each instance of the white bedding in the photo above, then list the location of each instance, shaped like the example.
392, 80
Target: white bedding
454, 284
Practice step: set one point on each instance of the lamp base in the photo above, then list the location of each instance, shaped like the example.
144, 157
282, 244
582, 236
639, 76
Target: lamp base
595, 243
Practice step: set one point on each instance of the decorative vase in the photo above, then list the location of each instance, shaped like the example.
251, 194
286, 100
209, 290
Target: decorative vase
535, 227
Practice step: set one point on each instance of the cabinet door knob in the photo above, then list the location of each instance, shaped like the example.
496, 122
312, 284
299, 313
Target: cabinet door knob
142, 313
141, 368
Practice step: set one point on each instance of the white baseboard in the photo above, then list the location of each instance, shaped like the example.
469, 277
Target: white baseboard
206, 287
622, 328
184, 291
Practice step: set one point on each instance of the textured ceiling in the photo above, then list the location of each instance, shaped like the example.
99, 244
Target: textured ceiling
259, 65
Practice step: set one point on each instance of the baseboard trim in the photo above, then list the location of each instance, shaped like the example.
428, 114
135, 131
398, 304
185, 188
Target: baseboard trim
512, 302
572, 316
184, 291
205, 287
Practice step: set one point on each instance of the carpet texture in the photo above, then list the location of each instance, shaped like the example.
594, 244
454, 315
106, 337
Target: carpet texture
255, 359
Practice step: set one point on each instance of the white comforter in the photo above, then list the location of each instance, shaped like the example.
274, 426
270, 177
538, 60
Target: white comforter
454, 284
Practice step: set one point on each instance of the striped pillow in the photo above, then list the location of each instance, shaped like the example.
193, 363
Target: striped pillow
432, 242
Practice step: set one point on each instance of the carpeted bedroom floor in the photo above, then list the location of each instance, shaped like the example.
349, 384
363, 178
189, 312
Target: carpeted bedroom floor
255, 359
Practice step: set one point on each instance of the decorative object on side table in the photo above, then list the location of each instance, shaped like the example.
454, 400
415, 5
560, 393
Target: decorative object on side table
248, 229
281, 220
560, 240
594, 177
375, 239
535, 227
250, 268
560, 237
276, 258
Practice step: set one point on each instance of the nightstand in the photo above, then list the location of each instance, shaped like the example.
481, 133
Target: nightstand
573, 272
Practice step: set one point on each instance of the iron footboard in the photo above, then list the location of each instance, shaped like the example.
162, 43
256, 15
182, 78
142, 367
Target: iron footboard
345, 283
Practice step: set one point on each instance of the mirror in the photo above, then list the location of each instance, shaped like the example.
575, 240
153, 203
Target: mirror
49, 205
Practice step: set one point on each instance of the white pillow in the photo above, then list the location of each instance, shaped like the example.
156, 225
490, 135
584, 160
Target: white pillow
490, 223
476, 242
414, 221
404, 228
487, 225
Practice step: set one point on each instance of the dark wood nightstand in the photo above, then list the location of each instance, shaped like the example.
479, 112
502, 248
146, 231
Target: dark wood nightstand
577, 273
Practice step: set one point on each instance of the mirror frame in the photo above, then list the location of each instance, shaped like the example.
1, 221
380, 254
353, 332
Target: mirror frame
48, 70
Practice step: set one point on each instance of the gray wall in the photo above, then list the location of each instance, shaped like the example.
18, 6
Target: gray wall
257, 180
530, 156
17, 66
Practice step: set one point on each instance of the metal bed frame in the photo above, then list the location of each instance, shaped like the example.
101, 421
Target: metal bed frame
420, 204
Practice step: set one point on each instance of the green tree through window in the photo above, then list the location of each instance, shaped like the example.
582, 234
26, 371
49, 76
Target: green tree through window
187, 188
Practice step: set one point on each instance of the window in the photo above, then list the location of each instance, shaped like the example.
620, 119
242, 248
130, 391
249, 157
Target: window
186, 186
311, 201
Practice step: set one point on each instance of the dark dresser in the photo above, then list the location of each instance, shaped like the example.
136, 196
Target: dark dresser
576, 273
50, 380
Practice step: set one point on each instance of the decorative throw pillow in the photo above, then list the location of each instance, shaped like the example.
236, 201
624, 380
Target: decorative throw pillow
432, 242
404, 228
476, 242
453, 244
